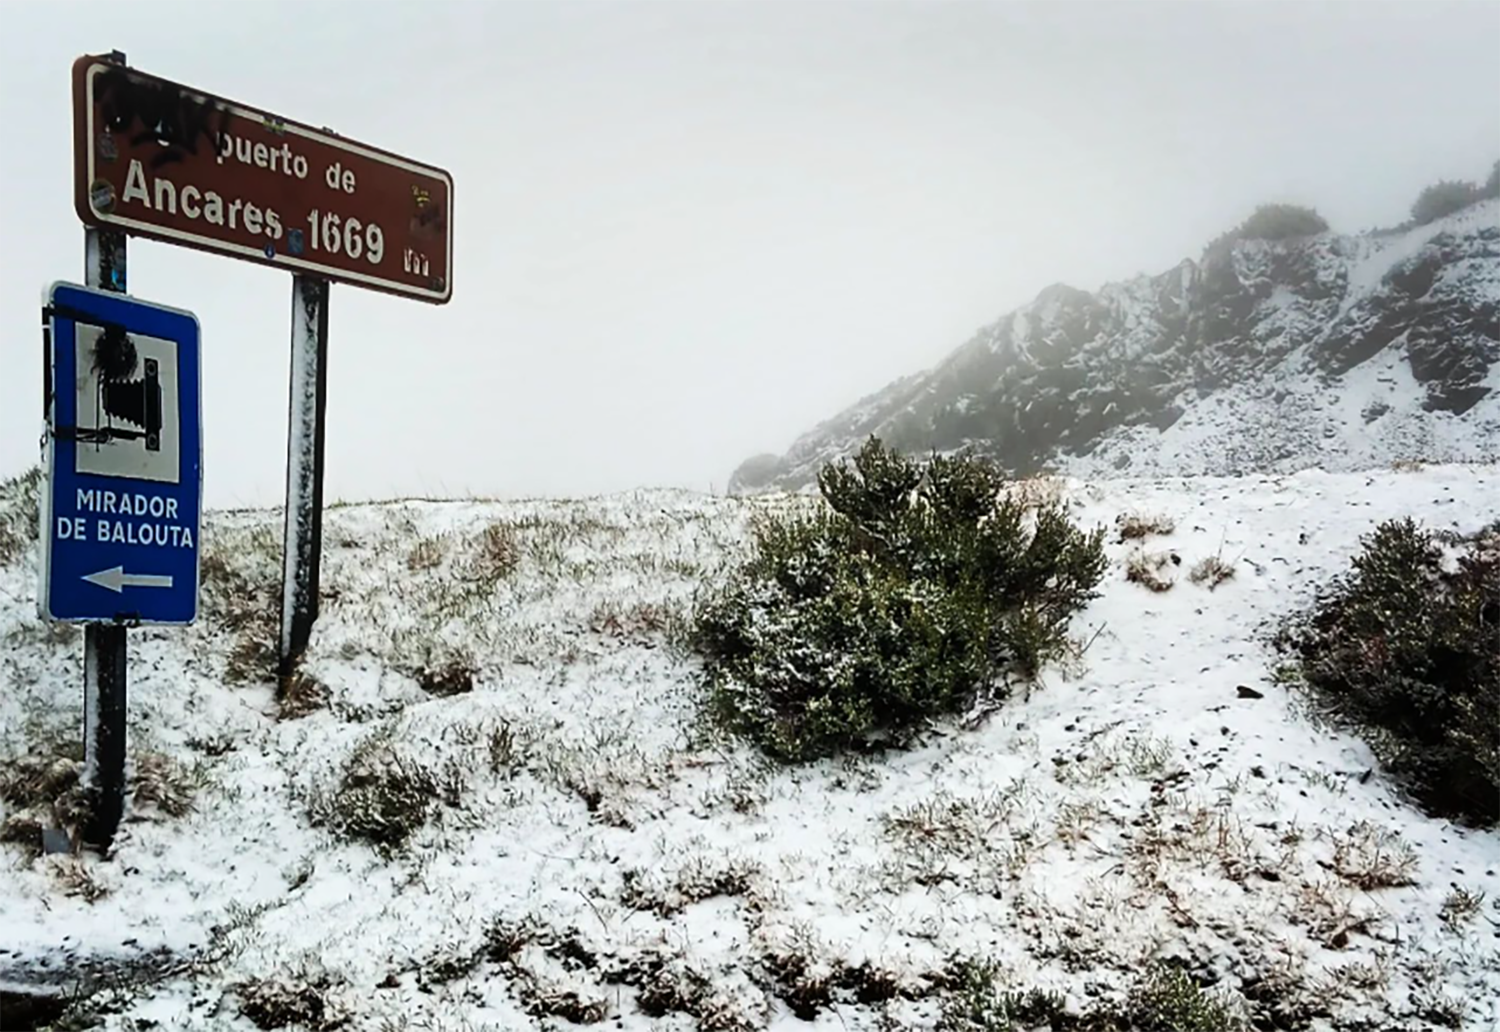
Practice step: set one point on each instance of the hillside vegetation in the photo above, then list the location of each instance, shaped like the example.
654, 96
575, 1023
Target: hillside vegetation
498, 794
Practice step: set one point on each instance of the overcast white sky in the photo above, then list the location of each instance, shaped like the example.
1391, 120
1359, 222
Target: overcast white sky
686, 232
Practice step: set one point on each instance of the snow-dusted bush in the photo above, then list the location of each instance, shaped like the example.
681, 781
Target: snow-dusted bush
1135, 526
1443, 198
1161, 998
975, 1002
279, 1003
383, 796
1281, 221
241, 593
40, 790
1168, 998
910, 591
1269, 222
1211, 571
1407, 651
18, 514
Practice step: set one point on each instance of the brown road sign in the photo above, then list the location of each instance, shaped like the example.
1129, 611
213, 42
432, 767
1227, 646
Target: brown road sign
162, 161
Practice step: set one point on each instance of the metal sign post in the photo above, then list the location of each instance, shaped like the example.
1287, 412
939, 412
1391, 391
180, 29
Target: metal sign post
121, 508
105, 649
303, 548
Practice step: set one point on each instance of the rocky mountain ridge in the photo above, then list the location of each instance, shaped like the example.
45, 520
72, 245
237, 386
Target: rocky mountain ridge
1339, 351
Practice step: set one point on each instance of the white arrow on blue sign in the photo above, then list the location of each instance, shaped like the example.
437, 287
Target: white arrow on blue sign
122, 504
117, 580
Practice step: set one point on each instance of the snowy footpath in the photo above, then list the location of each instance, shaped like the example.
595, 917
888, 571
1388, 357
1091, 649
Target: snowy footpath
586, 854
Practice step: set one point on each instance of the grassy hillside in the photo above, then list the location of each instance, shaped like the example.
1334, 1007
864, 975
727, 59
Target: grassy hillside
489, 801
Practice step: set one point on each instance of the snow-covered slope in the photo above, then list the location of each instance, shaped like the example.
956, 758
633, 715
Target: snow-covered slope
587, 854
1333, 352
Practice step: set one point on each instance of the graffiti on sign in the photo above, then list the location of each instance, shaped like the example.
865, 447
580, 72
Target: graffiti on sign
157, 113
159, 160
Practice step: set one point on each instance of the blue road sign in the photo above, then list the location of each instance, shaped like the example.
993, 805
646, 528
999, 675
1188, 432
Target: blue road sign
120, 511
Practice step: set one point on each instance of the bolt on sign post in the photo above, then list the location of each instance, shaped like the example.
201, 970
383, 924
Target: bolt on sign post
159, 160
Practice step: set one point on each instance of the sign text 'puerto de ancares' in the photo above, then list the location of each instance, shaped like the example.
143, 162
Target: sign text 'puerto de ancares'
169, 163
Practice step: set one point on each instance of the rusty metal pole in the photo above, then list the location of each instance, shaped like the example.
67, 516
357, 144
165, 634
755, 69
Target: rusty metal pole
304, 469
104, 645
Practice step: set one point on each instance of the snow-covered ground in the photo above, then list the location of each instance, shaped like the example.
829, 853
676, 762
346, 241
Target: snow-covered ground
591, 854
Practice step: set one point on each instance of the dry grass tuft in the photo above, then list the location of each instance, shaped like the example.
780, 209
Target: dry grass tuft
1369, 858
427, 554
1460, 906
504, 940
159, 782
507, 748
42, 790
1038, 491
544, 999
498, 552
253, 658
300, 695
241, 593
1147, 568
75, 875
507, 944
976, 842
1135, 526
441, 666
1330, 914
41, 777
669, 983
447, 679
19, 498
383, 797
702, 877
1211, 571
274, 1004
641, 623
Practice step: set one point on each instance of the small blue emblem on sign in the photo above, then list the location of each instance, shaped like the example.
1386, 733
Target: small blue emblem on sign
294, 241
270, 250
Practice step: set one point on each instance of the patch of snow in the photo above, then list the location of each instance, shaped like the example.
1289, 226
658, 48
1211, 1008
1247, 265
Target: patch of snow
1366, 275
1293, 419
1020, 326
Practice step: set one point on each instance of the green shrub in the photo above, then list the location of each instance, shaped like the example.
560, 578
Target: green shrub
1407, 653
974, 1002
1161, 999
1282, 221
1491, 186
1443, 198
1168, 1000
909, 591
383, 797
1272, 222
